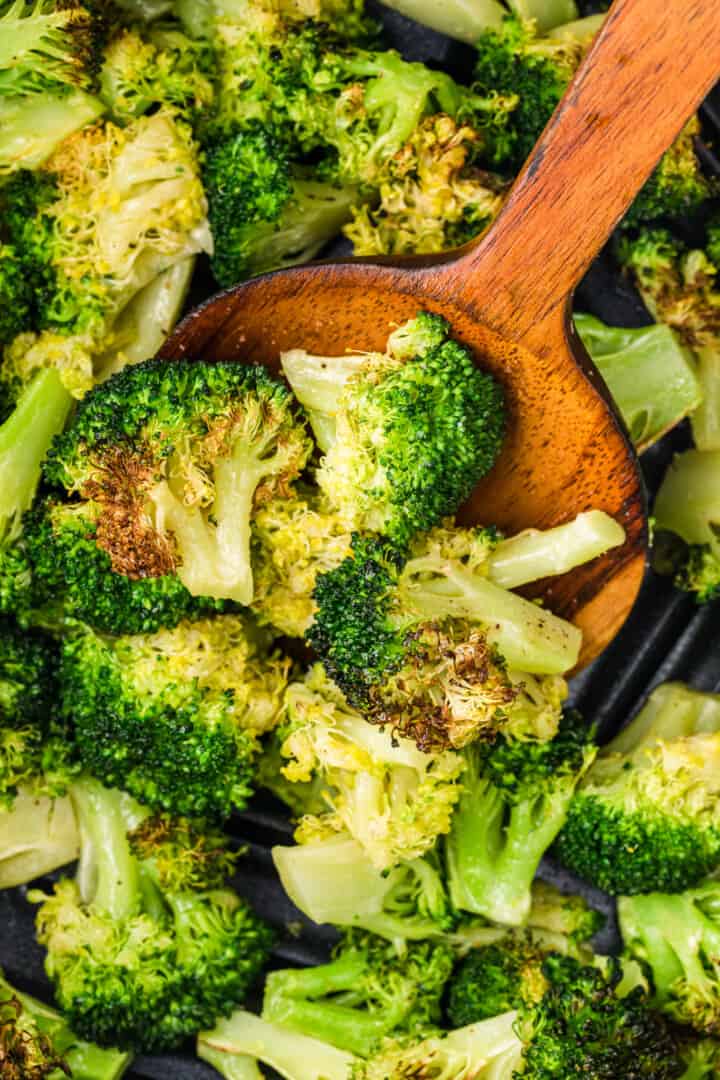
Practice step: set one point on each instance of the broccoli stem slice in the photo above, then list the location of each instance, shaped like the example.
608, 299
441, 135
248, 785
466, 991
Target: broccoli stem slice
534, 554
494, 849
108, 875
672, 711
530, 638
25, 438
546, 14
294, 1056
464, 20
32, 127
705, 421
651, 376
37, 835
318, 383
688, 502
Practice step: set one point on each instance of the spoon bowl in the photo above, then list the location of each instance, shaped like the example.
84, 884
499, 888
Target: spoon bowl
507, 297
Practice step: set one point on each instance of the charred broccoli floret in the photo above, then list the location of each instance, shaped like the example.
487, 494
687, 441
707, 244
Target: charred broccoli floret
406, 434
514, 801
173, 717
646, 817
144, 948
169, 460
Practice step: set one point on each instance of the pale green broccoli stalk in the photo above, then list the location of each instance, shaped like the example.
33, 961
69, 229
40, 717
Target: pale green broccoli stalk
36, 1042
400, 460
515, 799
466, 20
650, 374
38, 834
646, 816
235, 1046
687, 523
702, 1058
392, 798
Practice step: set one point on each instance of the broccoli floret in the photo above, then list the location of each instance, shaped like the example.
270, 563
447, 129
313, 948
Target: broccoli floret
38, 834
36, 1042
496, 979
431, 647
368, 990
265, 214
170, 460
514, 801
173, 717
142, 952
646, 816
15, 299
649, 372
406, 434
392, 798
677, 188
687, 515
676, 937
431, 195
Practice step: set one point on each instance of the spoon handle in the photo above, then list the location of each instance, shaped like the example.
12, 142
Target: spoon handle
649, 68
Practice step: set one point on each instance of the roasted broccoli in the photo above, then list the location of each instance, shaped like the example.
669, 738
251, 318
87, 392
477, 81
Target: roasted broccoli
677, 188
38, 834
168, 461
16, 298
173, 717
702, 1058
145, 947
515, 798
368, 990
676, 937
36, 1042
466, 22
687, 516
406, 434
646, 817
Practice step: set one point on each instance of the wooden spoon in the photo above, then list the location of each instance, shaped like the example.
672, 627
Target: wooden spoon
507, 296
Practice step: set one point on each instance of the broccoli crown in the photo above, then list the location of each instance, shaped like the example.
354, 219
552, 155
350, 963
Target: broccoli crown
15, 300
676, 937
414, 434
26, 1051
166, 959
171, 459
431, 195
28, 678
394, 799
172, 717
369, 989
514, 59
677, 187
497, 978
646, 815
183, 854
409, 643
49, 47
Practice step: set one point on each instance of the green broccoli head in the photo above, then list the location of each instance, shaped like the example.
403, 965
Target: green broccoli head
428, 645
677, 188
413, 430
171, 952
514, 801
646, 815
676, 938
263, 214
15, 301
392, 798
170, 461
173, 717
497, 978
369, 989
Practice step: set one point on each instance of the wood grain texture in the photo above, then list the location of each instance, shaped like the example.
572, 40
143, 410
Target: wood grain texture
507, 297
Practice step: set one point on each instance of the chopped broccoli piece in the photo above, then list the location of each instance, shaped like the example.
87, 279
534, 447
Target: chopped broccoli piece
702, 1057
36, 1042
646, 816
431, 195
432, 648
677, 188
16, 297
173, 717
414, 429
496, 979
392, 798
676, 937
687, 520
170, 953
368, 990
170, 460
33, 127
649, 372
38, 834
563, 914
514, 801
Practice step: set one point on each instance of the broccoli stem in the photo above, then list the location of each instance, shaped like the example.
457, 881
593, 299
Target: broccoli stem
32, 127
37, 835
688, 502
318, 383
286, 1003
547, 14
25, 438
294, 1056
673, 711
230, 1065
535, 554
529, 638
108, 876
705, 420
464, 20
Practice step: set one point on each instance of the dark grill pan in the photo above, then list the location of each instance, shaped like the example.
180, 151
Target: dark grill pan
667, 637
